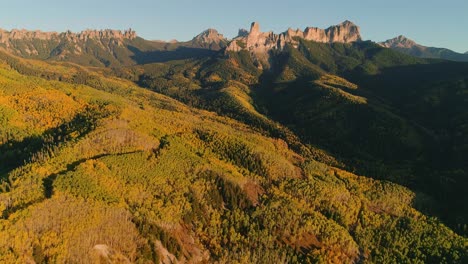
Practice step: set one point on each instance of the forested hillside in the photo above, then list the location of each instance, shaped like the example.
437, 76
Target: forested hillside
94, 167
358, 106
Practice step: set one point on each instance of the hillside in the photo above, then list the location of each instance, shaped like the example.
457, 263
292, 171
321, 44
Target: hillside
96, 167
358, 106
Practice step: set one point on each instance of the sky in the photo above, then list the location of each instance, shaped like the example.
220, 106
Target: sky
431, 23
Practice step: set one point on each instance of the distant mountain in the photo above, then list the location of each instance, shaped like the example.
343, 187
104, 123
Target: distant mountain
107, 48
210, 39
408, 46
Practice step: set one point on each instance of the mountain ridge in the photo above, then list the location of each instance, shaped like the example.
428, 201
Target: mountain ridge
82, 35
410, 47
345, 32
116, 48
112, 48
260, 44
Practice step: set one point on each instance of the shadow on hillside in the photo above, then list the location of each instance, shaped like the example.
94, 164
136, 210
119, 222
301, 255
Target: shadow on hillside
180, 53
14, 154
410, 133
403, 78
48, 182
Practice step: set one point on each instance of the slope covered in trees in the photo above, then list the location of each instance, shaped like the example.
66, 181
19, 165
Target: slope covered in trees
357, 106
93, 166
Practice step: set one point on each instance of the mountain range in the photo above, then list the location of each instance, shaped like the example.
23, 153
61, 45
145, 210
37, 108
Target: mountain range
115, 47
307, 146
107, 48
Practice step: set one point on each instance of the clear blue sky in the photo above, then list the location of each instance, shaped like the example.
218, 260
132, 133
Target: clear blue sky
442, 23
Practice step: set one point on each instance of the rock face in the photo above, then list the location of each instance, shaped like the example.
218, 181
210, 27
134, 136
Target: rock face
345, 32
259, 44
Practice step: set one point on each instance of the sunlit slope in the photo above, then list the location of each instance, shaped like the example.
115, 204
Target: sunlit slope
356, 106
100, 168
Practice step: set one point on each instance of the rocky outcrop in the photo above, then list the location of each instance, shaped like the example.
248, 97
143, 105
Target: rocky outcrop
345, 32
259, 44
104, 254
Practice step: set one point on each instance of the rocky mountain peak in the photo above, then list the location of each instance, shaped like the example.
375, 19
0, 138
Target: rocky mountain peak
347, 23
210, 36
255, 28
243, 32
210, 39
399, 42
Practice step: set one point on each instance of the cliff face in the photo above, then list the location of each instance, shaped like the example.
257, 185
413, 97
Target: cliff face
260, 43
345, 32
